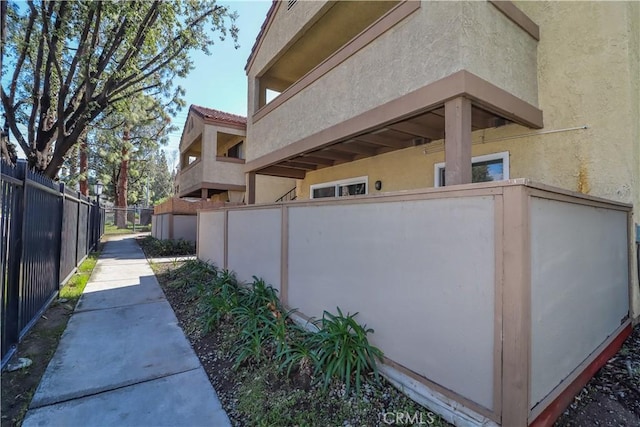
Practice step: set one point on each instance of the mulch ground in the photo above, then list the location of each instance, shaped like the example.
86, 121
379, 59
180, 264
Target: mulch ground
612, 397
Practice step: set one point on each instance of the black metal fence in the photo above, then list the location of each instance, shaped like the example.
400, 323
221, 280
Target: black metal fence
46, 232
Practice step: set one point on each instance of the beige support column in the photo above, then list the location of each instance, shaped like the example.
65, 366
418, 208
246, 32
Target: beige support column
204, 194
516, 307
251, 188
457, 142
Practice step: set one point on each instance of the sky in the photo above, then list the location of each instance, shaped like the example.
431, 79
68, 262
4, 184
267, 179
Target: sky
219, 81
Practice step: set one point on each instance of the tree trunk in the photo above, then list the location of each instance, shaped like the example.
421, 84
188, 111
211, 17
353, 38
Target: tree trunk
84, 168
123, 183
7, 149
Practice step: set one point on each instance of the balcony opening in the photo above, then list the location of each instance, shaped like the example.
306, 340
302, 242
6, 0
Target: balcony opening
191, 154
230, 146
340, 23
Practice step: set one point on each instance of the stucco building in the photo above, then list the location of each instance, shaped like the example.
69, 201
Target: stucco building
387, 102
212, 158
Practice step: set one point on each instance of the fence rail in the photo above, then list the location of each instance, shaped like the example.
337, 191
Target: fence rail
46, 232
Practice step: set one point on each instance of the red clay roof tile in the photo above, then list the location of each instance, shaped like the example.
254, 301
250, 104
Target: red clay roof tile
220, 116
263, 29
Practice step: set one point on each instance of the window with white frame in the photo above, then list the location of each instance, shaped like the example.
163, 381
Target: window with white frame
345, 187
490, 167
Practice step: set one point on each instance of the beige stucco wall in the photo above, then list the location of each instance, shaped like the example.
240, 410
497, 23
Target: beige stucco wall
285, 26
579, 276
191, 176
188, 136
271, 188
210, 243
260, 230
209, 169
219, 172
402, 283
435, 41
588, 67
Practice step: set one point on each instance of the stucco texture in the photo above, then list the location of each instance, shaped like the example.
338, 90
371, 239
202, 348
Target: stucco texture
285, 26
209, 169
433, 42
271, 188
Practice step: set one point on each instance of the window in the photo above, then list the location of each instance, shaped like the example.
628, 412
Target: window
236, 151
491, 167
346, 187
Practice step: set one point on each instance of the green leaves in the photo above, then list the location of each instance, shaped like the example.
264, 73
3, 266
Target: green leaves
68, 63
158, 248
344, 350
339, 349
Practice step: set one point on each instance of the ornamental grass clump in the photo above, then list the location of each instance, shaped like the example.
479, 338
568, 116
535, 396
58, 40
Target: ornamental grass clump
217, 301
159, 248
343, 350
338, 349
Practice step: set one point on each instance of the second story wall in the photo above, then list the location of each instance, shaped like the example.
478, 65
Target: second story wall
435, 40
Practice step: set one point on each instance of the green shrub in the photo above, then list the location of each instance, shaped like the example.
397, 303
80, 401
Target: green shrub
216, 302
339, 349
343, 349
194, 275
158, 248
255, 326
259, 295
300, 354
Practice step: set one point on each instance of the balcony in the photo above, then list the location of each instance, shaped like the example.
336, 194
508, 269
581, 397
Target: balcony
212, 155
212, 176
386, 88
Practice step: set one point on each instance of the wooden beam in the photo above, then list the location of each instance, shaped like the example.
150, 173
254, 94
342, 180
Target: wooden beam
334, 155
457, 144
352, 146
386, 142
416, 130
297, 165
283, 171
481, 119
516, 307
312, 160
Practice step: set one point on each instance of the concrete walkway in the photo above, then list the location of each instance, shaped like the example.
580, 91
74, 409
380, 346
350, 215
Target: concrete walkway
123, 360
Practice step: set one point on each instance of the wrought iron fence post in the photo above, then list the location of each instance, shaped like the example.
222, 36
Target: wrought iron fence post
24, 171
59, 233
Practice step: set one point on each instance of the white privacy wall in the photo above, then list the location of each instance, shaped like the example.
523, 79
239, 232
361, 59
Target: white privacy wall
421, 273
254, 244
579, 286
164, 226
210, 244
154, 226
184, 227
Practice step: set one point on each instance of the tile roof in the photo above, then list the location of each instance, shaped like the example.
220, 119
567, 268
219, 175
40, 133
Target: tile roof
217, 115
263, 29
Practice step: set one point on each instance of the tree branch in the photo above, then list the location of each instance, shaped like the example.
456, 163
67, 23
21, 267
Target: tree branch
6, 104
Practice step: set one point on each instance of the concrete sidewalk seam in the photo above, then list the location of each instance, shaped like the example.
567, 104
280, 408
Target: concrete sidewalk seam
89, 310
120, 387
